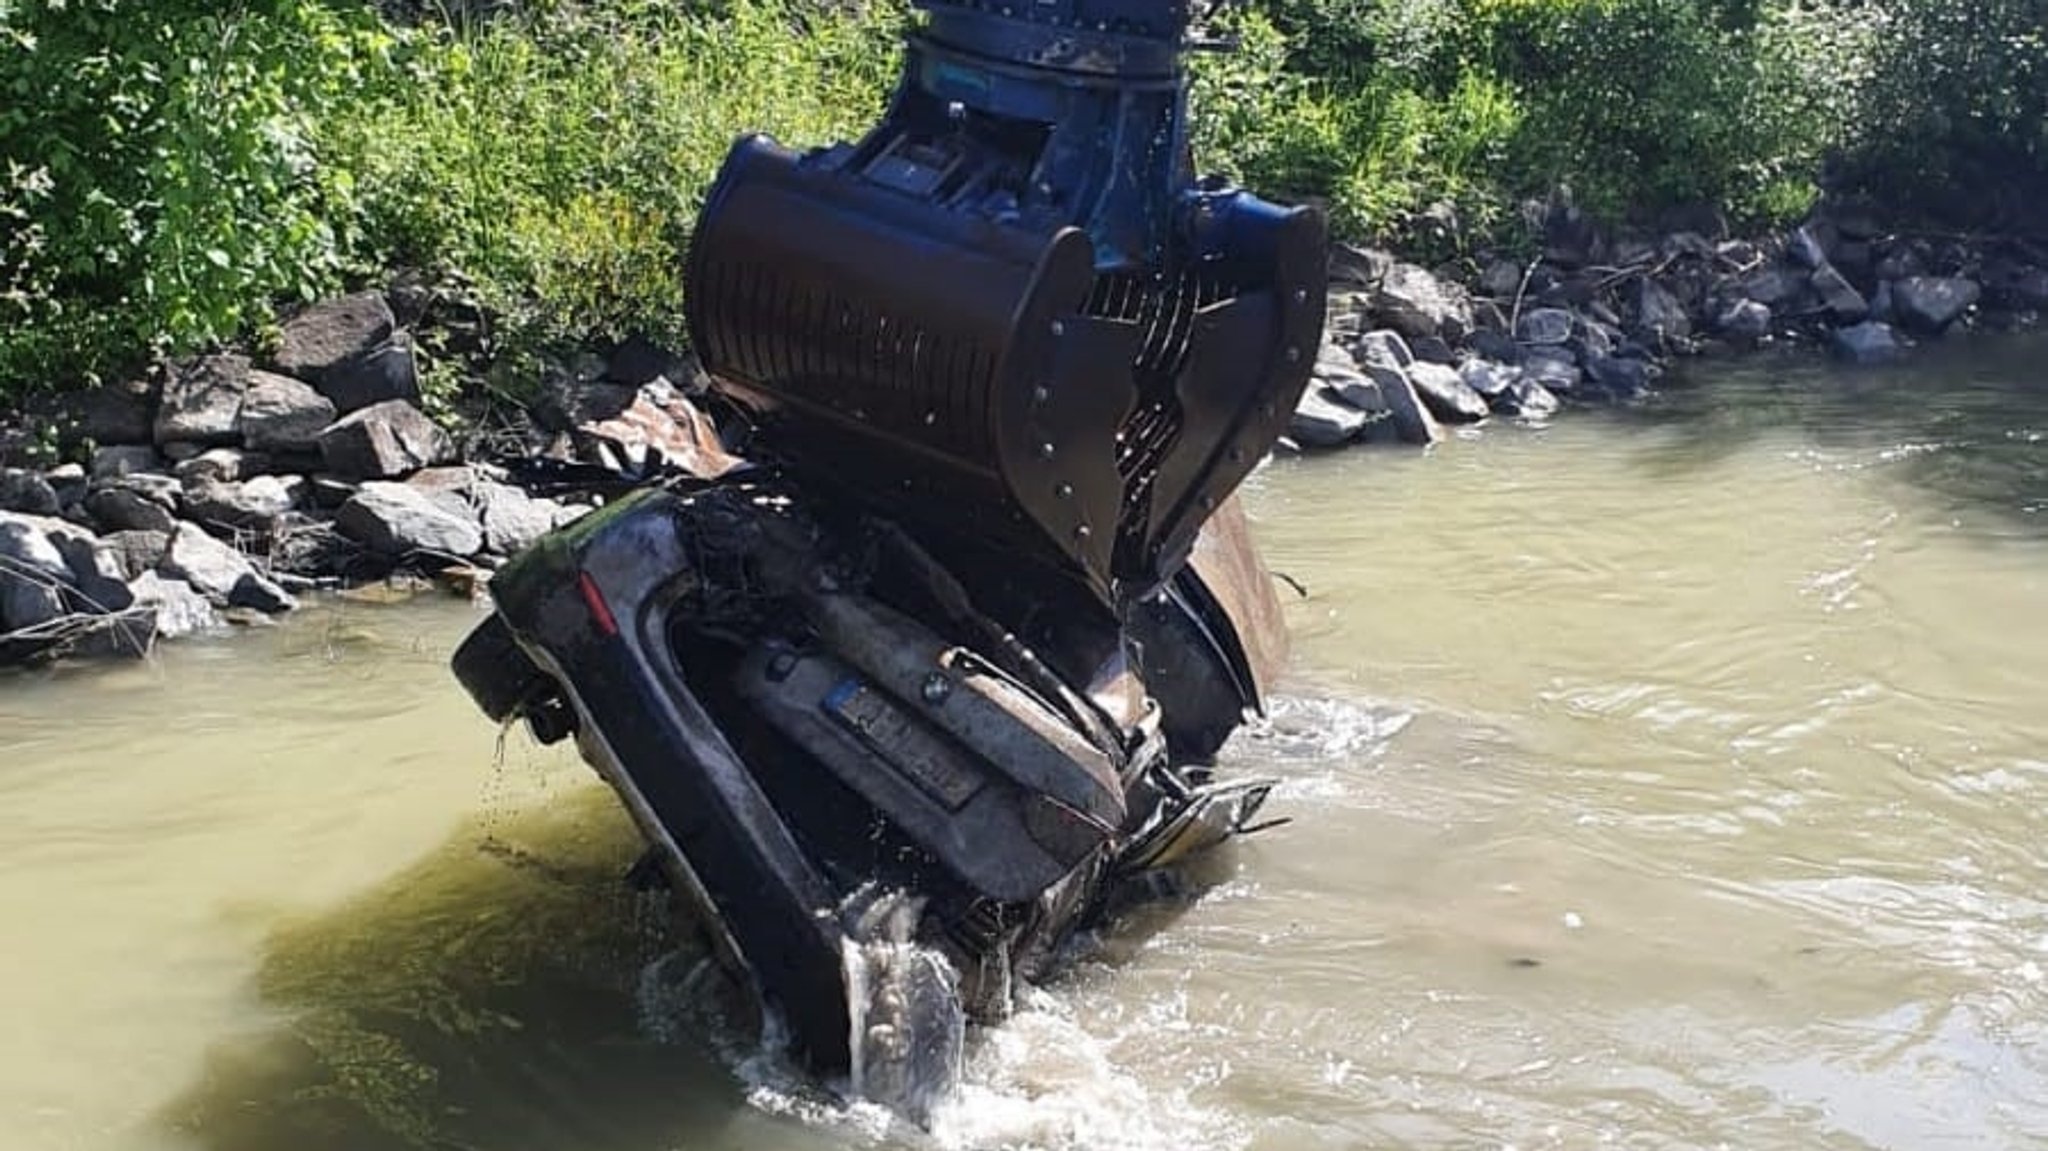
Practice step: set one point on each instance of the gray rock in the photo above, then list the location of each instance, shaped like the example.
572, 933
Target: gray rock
256, 503
280, 414
125, 508
136, 552
33, 574
1382, 349
220, 573
179, 610
1927, 305
394, 520
1488, 379
1620, 377
1411, 419
25, 491
1496, 346
1447, 395
346, 349
1319, 422
1501, 279
111, 463
202, 400
1844, 303
1773, 287
1360, 394
1593, 340
1805, 247
1556, 375
69, 481
1902, 261
96, 573
383, 440
1869, 342
1660, 318
1544, 326
214, 465
512, 520
327, 492
1433, 350
123, 413
1415, 303
1744, 322
1529, 400
1882, 304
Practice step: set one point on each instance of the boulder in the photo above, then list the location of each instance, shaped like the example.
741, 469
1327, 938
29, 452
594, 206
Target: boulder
1744, 322
202, 400
69, 481
1621, 377
1660, 317
511, 520
1359, 393
33, 574
1869, 342
1544, 326
1383, 349
1320, 422
1446, 394
127, 459
395, 520
179, 610
1773, 287
26, 491
125, 508
350, 351
1488, 379
255, 503
1561, 376
1501, 279
1844, 303
1806, 247
381, 441
1927, 305
1497, 346
99, 580
136, 552
1527, 399
1415, 303
1571, 238
1433, 350
281, 414
1411, 419
219, 572
111, 414
214, 465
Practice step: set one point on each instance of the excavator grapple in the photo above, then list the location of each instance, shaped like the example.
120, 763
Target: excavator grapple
1011, 302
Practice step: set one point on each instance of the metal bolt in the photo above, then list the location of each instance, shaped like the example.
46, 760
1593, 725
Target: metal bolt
936, 689
931, 418
1301, 295
1040, 394
1294, 355
1046, 451
1058, 328
1064, 491
1082, 532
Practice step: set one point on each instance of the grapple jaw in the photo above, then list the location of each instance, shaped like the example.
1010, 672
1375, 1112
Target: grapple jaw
1008, 310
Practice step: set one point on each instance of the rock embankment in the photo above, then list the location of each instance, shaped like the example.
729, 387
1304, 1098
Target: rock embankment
1597, 319
226, 487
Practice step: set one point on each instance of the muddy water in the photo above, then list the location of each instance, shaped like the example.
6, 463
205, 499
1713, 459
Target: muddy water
1676, 778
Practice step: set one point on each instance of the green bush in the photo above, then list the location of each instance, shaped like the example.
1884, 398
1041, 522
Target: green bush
1957, 98
158, 183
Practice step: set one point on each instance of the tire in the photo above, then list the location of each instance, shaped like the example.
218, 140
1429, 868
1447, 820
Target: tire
498, 675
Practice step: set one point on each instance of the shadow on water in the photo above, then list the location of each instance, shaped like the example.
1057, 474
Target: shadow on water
1966, 420
489, 996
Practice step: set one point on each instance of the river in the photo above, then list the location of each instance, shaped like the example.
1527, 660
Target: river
1665, 778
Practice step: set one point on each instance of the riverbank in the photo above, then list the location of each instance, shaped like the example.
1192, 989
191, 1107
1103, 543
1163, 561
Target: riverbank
221, 489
